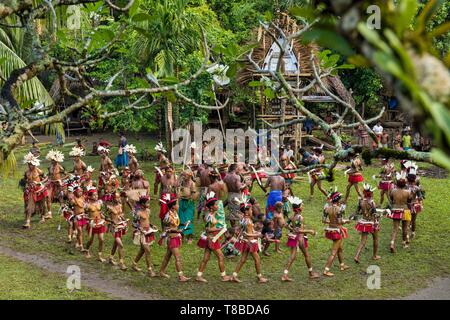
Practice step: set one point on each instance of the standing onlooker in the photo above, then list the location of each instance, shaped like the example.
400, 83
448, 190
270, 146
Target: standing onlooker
417, 141
385, 139
122, 157
363, 136
406, 140
398, 141
288, 152
378, 130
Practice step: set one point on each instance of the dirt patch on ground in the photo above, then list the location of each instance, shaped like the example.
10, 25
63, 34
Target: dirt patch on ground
116, 289
434, 172
439, 289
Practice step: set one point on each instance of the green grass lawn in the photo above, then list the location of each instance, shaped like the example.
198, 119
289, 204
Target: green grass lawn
21, 281
401, 273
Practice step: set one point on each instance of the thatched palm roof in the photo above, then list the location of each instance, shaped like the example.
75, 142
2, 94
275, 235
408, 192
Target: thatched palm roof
299, 54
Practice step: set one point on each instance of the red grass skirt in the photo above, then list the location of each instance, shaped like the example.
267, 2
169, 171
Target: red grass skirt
120, 233
417, 208
355, 178
251, 247
396, 214
333, 235
173, 243
202, 243
97, 230
81, 222
365, 227
385, 186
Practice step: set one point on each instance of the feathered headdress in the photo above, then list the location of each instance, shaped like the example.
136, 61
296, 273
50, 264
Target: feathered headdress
159, 147
167, 198
91, 189
210, 197
90, 169
143, 198
295, 201
334, 195
74, 186
31, 159
55, 155
130, 149
400, 176
78, 152
101, 149
411, 167
368, 188
243, 201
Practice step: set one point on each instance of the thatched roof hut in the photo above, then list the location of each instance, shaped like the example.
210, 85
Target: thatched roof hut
296, 64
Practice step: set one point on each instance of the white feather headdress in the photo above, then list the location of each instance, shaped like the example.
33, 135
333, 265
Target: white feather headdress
102, 149
295, 200
368, 187
159, 147
77, 152
210, 195
55, 155
242, 201
400, 175
90, 169
130, 149
166, 198
411, 167
31, 159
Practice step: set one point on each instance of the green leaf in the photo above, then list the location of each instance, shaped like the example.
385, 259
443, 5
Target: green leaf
255, 84
268, 92
141, 16
305, 12
427, 13
406, 11
373, 37
169, 80
440, 158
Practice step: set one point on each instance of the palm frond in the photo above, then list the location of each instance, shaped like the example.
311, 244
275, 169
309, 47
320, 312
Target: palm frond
32, 90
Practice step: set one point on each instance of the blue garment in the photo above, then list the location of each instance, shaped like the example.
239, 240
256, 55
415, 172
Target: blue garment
274, 197
122, 159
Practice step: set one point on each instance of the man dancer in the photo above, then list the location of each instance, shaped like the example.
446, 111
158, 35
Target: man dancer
316, 175
417, 193
97, 223
277, 185
55, 172
133, 164
162, 163
188, 194
333, 217
387, 175
234, 186
80, 220
169, 185
203, 176
369, 223
106, 164
354, 177
118, 227
35, 194
145, 233
297, 239
171, 223
214, 228
79, 167
400, 198
248, 243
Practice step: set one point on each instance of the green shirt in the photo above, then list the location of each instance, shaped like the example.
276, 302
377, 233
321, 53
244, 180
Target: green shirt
406, 141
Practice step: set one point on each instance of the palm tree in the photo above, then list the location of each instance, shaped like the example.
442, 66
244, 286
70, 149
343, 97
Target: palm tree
169, 28
14, 50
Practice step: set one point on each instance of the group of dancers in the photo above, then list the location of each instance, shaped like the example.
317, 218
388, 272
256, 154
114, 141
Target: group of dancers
92, 209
